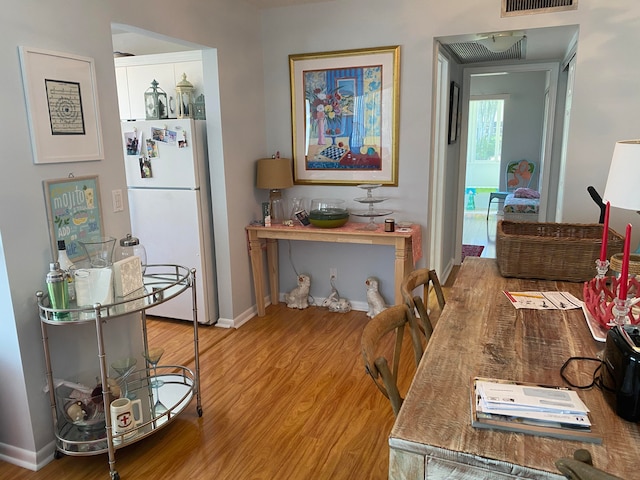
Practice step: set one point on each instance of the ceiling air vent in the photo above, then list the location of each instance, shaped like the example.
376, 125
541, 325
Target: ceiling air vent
473, 52
511, 8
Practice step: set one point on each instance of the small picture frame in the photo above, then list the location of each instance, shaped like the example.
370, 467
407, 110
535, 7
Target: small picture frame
145, 167
454, 112
158, 134
266, 213
303, 217
152, 148
132, 141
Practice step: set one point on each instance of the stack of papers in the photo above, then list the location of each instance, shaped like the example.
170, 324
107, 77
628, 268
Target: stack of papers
543, 300
528, 408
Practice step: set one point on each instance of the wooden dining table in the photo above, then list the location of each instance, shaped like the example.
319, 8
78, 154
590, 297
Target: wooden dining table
481, 334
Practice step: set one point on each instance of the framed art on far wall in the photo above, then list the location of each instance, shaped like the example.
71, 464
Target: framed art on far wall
454, 112
62, 106
344, 114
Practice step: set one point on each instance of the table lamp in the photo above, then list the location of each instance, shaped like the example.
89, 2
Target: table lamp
274, 174
624, 177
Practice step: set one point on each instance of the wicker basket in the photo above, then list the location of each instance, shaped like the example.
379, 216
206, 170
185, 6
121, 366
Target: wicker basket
615, 263
552, 251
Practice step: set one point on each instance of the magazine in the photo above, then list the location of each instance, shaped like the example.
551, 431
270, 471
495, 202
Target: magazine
542, 410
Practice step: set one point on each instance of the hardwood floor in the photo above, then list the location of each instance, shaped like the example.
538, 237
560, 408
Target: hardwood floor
284, 397
477, 230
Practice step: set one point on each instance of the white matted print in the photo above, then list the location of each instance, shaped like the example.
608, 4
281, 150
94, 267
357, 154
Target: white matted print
62, 106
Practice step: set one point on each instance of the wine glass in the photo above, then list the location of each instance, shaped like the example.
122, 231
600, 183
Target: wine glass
153, 356
124, 367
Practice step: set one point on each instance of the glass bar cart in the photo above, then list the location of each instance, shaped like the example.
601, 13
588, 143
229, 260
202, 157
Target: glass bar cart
170, 386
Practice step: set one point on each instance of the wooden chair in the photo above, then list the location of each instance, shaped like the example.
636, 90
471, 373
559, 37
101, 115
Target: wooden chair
419, 303
519, 173
378, 343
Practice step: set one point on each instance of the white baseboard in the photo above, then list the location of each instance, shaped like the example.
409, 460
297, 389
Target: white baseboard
25, 458
248, 314
444, 276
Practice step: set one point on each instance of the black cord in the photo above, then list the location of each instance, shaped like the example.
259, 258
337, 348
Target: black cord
291, 259
596, 379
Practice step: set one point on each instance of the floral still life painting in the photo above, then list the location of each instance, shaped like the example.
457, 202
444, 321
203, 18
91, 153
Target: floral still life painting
344, 118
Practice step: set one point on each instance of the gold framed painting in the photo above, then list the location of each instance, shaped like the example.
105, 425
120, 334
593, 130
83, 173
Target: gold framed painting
344, 114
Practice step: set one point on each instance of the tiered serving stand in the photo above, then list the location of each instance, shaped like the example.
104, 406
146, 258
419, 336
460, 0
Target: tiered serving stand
371, 212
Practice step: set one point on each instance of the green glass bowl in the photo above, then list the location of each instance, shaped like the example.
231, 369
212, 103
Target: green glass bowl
329, 217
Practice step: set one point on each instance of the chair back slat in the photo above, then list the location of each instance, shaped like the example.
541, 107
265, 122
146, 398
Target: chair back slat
385, 331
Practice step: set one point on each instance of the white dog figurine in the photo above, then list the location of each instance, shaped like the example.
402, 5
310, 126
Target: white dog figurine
331, 299
299, 296
374, 299
336, 304
341, 306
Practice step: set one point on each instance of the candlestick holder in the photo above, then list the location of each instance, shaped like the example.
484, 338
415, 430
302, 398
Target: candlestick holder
620, 310
602, 267
600, 297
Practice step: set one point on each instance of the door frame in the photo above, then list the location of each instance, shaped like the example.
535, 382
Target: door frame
439, 155
552, 70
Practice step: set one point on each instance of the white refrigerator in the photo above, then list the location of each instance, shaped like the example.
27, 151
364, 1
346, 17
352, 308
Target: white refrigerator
170, 206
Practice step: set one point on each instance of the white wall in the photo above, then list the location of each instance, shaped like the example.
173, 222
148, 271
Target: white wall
84, 28
604, 99
252, 60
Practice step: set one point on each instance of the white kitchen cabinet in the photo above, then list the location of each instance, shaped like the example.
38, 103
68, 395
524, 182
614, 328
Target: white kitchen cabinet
135, 74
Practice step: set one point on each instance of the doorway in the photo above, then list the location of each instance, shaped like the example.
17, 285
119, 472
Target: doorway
130, 40
530, 94
541, 49
483, 169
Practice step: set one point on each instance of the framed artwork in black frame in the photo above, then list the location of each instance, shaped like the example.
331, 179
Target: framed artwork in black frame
454, 112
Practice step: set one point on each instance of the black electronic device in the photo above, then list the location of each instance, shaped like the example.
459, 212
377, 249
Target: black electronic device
621, 371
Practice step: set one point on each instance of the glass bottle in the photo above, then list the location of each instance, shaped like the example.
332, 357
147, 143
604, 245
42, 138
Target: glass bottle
296, 206
68, 267
130, 246
277, 211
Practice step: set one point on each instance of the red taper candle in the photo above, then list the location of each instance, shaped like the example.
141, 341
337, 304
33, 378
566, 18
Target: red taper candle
624, 274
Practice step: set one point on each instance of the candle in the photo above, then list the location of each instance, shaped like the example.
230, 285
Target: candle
624, 274
605, 235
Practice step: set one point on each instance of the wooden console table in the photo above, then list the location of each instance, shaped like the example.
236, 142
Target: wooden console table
407, 250
480, 334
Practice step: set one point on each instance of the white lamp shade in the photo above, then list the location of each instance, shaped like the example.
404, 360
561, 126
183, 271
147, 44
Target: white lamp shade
624, 176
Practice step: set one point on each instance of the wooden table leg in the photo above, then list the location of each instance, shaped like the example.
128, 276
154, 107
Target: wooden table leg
257, 268
272, 265
403, 265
